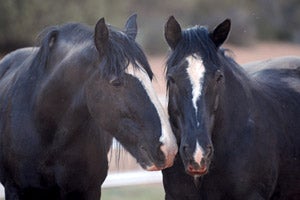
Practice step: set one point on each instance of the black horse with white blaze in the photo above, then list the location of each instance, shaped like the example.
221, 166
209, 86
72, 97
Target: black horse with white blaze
238, 130
62, 102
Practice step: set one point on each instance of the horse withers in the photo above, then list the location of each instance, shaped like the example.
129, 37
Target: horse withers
238, 130
62, 103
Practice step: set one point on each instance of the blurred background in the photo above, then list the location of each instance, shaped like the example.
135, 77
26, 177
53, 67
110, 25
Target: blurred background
255, 20
261, 29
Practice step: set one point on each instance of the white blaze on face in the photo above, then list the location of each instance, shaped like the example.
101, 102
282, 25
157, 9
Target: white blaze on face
169, 147
198, 154
195, 71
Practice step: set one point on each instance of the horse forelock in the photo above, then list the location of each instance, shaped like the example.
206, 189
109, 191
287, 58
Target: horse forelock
195, 41
123, 51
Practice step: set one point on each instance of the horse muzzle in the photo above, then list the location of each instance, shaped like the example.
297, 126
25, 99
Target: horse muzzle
169, 161
169, 154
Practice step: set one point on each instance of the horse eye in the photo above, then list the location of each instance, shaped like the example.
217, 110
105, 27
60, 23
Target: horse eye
219, 76
171, 79
116, 81
143, 148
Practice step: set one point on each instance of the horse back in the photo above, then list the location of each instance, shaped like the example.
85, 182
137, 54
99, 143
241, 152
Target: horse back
19, 75
279, 79
15, 59
285, 62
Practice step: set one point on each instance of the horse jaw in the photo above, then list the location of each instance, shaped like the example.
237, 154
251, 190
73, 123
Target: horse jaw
167, 138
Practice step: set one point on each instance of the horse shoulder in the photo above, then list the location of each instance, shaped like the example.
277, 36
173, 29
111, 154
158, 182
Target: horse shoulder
279, 79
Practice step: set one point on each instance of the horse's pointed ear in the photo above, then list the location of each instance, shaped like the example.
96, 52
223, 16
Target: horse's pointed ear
101, 36
220, 33
172, 32
131, 27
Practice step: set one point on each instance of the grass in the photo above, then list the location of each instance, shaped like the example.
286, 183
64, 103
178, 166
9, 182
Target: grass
141, 192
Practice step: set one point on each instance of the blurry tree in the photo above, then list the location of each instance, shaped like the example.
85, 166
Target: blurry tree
22, 20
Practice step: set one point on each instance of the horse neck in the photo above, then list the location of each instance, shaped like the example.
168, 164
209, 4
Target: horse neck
63, 115
237, 98
61, 98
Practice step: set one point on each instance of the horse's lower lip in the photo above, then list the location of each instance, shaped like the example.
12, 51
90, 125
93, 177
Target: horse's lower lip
157, 168
201, 171
153, 168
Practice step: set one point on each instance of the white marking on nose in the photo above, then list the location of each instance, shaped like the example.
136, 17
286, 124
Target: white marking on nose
169, 147
195, 71
198, 154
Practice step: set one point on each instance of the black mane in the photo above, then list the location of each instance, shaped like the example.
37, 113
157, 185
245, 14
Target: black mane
127, 51
121, 52
194, 40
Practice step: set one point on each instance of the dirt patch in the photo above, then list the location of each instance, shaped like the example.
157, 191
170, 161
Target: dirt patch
263, 51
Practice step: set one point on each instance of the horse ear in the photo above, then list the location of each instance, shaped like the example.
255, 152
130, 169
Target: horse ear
172, 32
131, 27
101, 36
220, 33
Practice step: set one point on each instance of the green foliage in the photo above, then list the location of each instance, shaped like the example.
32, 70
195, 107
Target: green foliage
22, 20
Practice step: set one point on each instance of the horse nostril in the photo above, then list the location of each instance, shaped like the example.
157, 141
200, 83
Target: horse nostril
185, 149
209, 151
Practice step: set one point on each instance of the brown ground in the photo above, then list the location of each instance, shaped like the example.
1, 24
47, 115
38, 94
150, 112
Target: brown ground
242, 55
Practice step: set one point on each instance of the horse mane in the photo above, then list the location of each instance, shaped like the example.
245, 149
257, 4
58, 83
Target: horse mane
122, 50
127, 51
196, 40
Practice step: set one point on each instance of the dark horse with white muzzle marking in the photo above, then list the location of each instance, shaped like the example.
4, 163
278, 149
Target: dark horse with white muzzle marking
62, 102
238, 130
